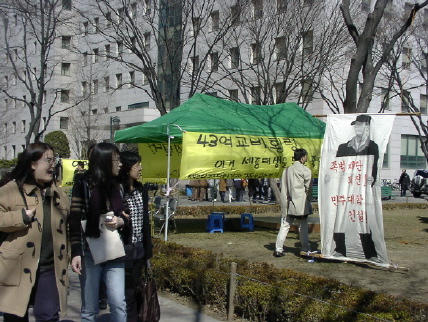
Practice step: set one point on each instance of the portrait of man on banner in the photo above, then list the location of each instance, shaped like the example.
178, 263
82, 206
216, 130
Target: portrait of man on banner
350, 198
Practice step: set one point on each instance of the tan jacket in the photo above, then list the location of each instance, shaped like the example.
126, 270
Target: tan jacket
295, 187
20, 252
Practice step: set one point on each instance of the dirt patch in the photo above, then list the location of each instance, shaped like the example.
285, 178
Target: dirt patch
406, 237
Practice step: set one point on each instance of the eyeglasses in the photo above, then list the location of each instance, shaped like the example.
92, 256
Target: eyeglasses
116, 160
137, 166
49, 161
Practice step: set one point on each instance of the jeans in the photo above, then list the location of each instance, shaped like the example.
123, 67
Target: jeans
113, 273
286, 223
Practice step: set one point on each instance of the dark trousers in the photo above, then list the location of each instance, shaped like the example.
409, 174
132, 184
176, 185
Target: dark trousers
132, 276
44, 297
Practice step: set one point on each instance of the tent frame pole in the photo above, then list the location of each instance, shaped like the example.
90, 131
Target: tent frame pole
167, 183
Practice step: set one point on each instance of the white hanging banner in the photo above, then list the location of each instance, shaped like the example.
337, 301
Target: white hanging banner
349, 187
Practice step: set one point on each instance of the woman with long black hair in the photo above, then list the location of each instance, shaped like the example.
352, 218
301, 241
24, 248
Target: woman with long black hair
136, 197
34, 244
94, 195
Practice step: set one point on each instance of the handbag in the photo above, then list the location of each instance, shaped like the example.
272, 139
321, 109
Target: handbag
147, 297
134, 251
108, 246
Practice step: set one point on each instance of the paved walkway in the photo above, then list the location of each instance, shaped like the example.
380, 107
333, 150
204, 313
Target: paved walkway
170, 309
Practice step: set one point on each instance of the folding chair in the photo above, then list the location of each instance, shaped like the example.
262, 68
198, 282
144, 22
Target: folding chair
159, 215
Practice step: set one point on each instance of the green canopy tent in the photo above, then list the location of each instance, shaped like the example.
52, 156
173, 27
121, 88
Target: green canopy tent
208, 114
206, 132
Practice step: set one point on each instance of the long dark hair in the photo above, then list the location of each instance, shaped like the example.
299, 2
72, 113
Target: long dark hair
128, 159
23, 172
101, 166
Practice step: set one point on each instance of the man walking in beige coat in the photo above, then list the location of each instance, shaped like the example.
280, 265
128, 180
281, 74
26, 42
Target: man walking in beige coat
295, 204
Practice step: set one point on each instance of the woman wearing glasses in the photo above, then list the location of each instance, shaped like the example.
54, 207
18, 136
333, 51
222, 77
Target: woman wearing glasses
34, 241
136, 197
95, 194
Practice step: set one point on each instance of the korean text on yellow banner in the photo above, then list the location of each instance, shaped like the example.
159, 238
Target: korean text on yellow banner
210, 155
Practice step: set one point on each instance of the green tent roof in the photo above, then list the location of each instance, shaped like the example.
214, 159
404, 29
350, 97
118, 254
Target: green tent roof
208, 114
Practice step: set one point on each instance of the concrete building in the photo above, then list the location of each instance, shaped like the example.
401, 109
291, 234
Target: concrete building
259, 52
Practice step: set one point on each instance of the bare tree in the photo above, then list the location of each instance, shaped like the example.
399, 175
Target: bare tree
30, 31
369, 54
160, 40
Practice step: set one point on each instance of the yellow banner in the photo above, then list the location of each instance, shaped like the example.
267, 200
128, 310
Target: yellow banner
68, 167
154, 158
210, 156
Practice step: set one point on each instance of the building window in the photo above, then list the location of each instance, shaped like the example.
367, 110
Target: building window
65, 96
84, 88
384, 99
280, 49
235, 12
118, 108
108, 19
195, 64
147, 40
14, 151
233, 94
308, 42
214, 62
119, 46
145, 79
65, 69
85, 28
407, 9
196, 25
94, 112
44, 97
106, 84
96, 25
5, 128
307, 91
423, 104
138, 105
63, 123
13, 127
255, 53
280, 92
404, 101
234, 57
85, 59
23, 129
132, 79
96, 55
120, 15
412, 156
365, 5
133, 11
95, 86
119, 81
147, 7
406, 57
214, 21
66, 42
14, 103
256, 95
308, 2
66, 4
257, 9
281, 6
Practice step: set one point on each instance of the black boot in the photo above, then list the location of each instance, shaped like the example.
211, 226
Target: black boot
339, 239
368, 245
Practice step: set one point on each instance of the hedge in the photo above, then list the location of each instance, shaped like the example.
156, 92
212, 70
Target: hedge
266, 293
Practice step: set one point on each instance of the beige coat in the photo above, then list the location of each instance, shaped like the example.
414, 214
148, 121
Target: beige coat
20, 252
295, 187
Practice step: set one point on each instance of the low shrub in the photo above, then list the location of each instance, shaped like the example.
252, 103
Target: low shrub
266, 293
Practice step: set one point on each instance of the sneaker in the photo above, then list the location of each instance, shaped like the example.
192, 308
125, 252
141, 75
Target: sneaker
278, 254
